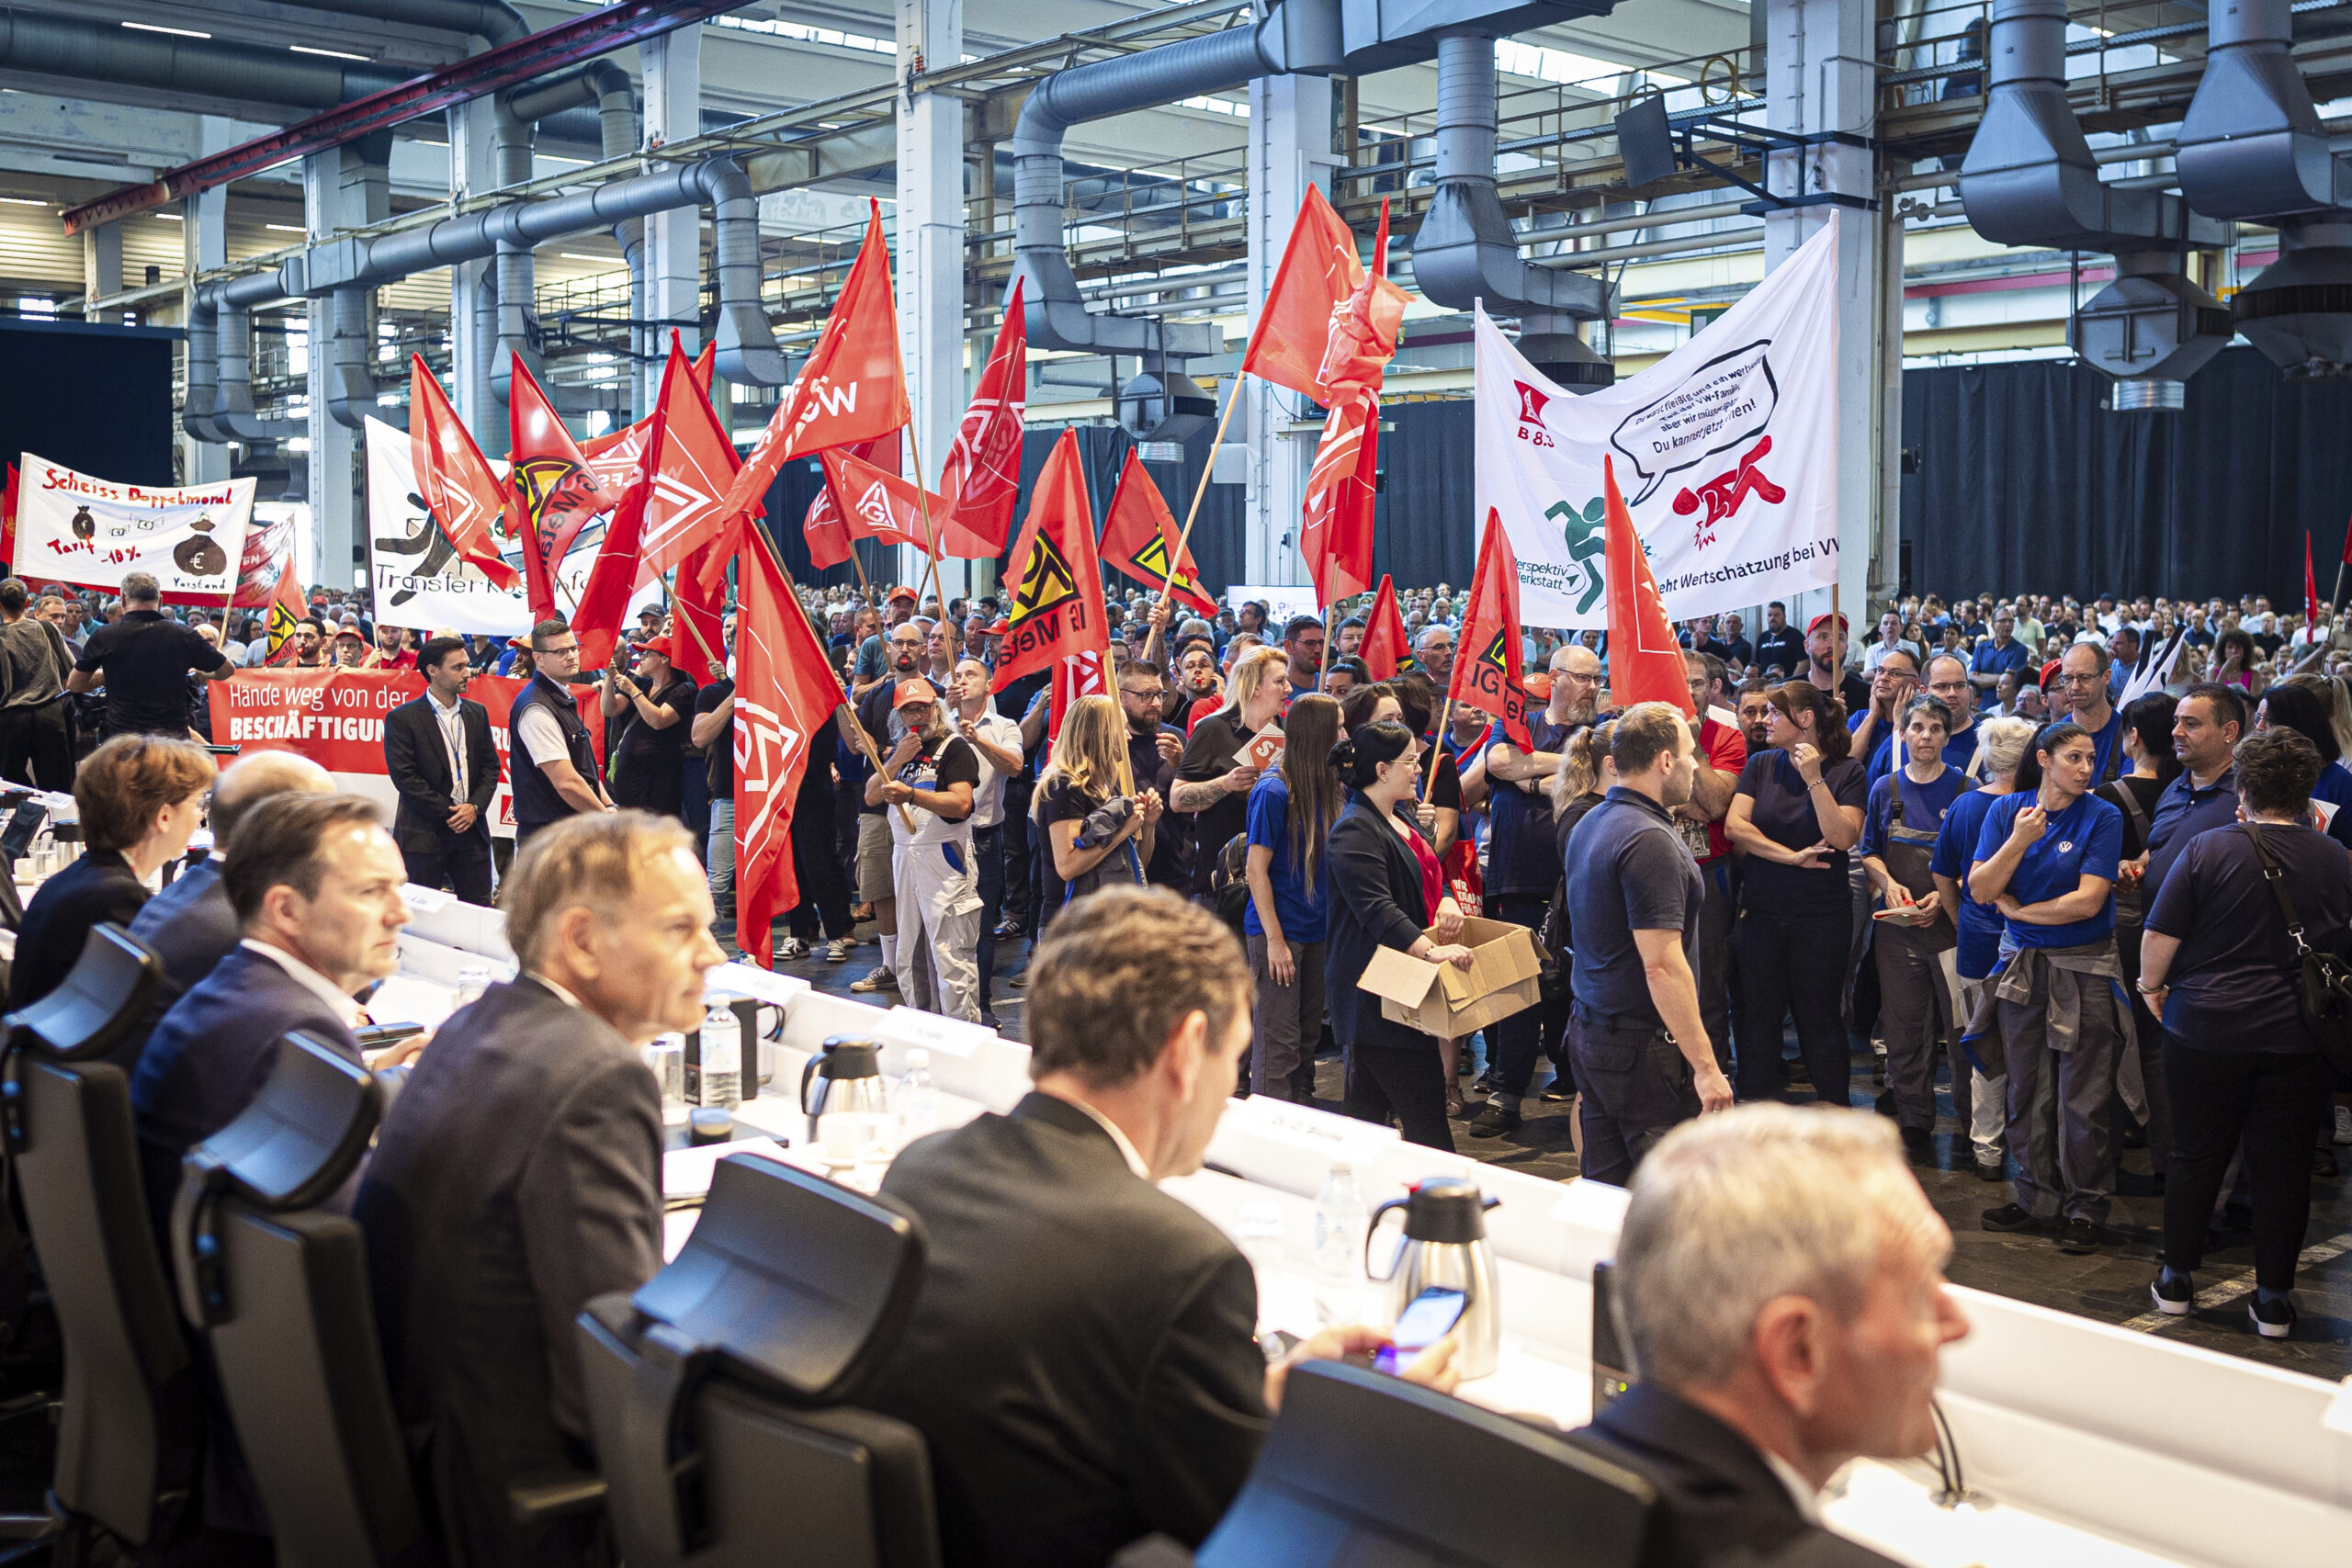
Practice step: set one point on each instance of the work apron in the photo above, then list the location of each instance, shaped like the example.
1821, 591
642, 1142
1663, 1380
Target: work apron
935, 879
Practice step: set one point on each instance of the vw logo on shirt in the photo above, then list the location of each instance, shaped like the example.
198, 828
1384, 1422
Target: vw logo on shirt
2065, 846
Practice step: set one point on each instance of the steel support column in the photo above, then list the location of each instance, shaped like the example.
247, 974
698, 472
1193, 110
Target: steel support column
340, 189
204, 245
1290, 149
929, 245
473, 331
673, 240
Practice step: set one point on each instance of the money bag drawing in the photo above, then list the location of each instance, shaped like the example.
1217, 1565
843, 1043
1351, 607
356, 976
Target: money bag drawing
85, 526
201, 555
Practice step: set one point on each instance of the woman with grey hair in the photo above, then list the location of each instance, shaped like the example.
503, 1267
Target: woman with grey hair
1980, 1103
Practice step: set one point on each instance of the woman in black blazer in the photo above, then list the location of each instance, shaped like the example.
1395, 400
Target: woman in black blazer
1385, 885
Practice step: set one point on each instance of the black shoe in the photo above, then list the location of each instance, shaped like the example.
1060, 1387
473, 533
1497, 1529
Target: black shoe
2175, 1292
2078, 1236
1799, 1075
2324, 1162
1920, 1144
2273, 1319
1992, 1170
1493, 1121
1008, 930
1556, 1092
1486, 1084
1884, 1103
2011, 1218
2132, 1184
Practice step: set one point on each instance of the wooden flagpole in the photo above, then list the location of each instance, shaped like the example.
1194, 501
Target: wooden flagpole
931, 530
1200, 492
1437, 750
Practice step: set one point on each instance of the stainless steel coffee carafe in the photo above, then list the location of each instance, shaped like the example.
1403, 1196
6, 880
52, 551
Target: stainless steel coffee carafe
1444, 1244
844, 1076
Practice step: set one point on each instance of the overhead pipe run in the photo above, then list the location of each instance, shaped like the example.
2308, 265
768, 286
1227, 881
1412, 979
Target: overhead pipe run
2030, 179
2252, 149
1465, 253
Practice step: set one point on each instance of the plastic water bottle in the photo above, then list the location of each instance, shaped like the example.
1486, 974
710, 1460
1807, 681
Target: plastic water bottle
722, 1058
473, 979
1339, 1226
918, 1097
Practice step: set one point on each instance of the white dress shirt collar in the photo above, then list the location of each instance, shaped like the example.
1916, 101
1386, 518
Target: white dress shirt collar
353, 1015
566, 997
1126, 1145
455, 704
1803, 1493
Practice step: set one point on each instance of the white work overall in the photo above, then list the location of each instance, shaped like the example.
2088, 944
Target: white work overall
937, 885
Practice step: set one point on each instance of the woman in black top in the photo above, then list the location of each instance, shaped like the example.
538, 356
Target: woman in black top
654, 708
2218, 965
2147, 744
140, 797
1795, 814
1212, 785
1090, 772
1385, 890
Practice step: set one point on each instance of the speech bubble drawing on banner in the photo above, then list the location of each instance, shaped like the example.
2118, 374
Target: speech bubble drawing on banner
1726, 401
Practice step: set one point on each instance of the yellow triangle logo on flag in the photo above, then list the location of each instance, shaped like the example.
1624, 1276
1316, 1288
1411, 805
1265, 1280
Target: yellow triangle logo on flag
1494, 654
282, 622
1153, 558
539, 478
1046, 583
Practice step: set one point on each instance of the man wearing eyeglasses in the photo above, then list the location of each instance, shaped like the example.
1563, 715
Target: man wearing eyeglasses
1947, 681
2083, 671
547, 727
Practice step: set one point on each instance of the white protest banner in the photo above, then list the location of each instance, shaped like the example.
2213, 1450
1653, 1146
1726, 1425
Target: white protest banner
1282, 600
417, 580
73, 527
1726, 451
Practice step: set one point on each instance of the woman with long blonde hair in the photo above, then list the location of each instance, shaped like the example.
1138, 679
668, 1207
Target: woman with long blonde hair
1097, 828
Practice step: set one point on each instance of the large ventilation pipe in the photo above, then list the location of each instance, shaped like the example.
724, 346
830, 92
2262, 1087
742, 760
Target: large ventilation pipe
1465, 252
2029, 179
1297, 36
103, 51
2252, 147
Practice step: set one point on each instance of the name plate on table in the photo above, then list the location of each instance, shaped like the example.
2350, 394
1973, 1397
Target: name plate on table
425, 901
758, 984
1292, 1146
903, 1025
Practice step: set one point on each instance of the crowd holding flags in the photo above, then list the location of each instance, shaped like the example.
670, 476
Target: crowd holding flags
1139, 538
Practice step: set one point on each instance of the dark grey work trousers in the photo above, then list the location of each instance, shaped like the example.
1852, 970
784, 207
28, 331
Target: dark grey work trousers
1633, 1087
2061, 1118
1916, 1013
1287, 1020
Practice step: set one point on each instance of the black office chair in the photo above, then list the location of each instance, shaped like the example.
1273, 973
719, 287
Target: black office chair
278, 1287
718, 1393
1364, 1468
127, 1433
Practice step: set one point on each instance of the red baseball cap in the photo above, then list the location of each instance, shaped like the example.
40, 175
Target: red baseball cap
1813, 624
901, 592
998, 627
659, 645
914, 690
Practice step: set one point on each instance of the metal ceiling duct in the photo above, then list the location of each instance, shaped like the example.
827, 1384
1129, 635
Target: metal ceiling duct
2030, 179
2251, 148
1465, 252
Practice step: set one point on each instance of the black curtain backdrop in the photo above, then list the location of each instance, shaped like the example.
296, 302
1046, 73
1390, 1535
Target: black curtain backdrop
93, 398
2027, 482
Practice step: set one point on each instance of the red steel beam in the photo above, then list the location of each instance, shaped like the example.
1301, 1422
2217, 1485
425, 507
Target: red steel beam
567, 43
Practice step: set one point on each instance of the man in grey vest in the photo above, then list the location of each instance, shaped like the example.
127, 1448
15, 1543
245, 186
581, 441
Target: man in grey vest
553, 769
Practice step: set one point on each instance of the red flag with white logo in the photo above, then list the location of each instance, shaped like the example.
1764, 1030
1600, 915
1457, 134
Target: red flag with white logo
690, 464
1385, 650
556, 492
1080, 676
875, 504
1487, 673
828, 534
1319, 274
1364, 328
465, 499
1140, 533
1645, 660
853, 387
1057, 600
1335, 522
785, 698
982, 476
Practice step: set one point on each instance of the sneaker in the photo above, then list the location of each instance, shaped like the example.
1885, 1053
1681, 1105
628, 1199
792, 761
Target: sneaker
791, 947
2174, 1291
838, 950
2011, 1218
1493, 1121
2344, 1125
880, 980
1556, 1092
2274, 1317
1008, 930
2078, 1236
1992, 1170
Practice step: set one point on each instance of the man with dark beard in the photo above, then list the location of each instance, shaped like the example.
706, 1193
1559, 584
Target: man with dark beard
1521, 870
1153, 751
902, 653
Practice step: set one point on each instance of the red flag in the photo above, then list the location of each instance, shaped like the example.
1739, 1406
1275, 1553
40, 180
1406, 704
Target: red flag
1385, 650
982, 476
853, 387
1364, 329
287, 610
556, 491
690, 463
269, 549
613, 456
9, 518
1335, 523
785, 698
2311, 585
1319, 274
467, 501
1080, 676
875, 504
1645, 661
829, 536
1485, 672
1141, 534
699, 612
1057, 607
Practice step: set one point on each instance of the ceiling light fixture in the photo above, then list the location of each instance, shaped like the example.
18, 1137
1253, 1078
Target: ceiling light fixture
329, 53
176, 32
286, 228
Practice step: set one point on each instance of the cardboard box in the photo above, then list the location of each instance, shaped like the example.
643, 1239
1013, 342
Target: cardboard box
1505, 977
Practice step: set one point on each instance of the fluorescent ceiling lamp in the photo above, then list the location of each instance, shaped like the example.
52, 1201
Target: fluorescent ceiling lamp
176, 32
24, 201
329, 53
575, 255
286, 228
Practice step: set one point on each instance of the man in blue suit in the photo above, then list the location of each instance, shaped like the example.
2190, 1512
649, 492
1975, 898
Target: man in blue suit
315, 883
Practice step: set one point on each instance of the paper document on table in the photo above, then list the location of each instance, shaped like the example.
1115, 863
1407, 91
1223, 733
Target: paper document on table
686, 1173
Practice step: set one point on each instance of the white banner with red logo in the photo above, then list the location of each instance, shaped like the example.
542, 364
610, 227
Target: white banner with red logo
74, 528
336, 717
1726, 450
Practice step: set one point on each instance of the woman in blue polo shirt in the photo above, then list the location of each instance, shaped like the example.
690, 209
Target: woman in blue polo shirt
1978, 951
2047, 857
1899, 829
1291, 808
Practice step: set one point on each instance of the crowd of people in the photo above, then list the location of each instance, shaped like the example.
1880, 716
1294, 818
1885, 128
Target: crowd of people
2002, 838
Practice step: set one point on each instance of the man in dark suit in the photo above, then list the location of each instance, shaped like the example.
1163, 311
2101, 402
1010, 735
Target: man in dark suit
1081, 1359
519, 1173
438, 752
1779, 1282
190, 923
316, 885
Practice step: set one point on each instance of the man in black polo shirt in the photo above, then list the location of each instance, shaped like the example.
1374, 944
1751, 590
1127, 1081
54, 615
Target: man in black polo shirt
1778, 646
144, 661
1642, 1057
2205, 729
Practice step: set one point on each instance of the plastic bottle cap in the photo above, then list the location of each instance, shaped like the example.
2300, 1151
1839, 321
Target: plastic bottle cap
918, 1057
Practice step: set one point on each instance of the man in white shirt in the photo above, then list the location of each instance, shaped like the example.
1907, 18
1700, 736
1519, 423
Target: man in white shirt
997, 740
444, 766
